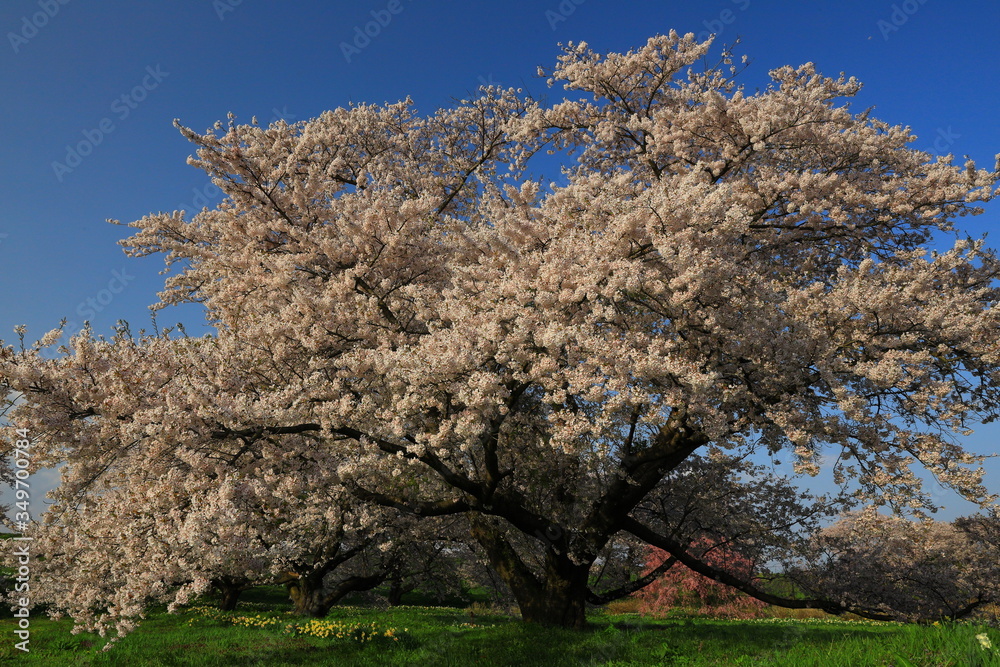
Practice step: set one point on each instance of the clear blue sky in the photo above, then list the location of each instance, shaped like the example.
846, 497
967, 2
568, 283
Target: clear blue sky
110, 76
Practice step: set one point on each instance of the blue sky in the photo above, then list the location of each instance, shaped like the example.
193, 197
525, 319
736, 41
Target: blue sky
90, 90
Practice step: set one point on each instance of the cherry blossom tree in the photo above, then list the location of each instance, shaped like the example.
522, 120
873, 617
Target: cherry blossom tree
719, 274
142, 521
982, 529
909, 570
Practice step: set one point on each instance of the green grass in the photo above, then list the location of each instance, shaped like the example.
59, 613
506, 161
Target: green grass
420, 636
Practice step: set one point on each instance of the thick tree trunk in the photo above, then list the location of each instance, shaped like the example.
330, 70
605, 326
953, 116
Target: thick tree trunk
306, 593
229, 598
310, 598
229, 593
559, 599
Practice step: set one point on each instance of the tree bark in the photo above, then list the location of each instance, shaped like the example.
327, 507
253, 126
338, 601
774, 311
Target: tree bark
229, 593
230, 598
558, 599
310, 598
561, 600
306, 593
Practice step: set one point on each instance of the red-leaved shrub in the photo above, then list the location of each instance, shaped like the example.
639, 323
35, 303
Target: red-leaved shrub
683, 588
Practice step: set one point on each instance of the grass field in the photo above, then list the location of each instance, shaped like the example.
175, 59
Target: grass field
262, 632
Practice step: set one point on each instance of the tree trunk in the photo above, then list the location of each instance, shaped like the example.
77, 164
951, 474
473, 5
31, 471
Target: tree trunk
306, 593
229, 598
310, 598
396, 592
560, 599
229, 593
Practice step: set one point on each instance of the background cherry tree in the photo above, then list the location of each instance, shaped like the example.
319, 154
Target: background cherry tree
908, 570
715, 274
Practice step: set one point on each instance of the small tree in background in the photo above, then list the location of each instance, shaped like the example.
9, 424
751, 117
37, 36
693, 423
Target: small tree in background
681, 587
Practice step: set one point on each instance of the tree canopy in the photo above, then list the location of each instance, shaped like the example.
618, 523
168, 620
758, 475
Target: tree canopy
405, 316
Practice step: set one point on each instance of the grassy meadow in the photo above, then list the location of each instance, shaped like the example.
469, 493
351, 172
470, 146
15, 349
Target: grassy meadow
263, 632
